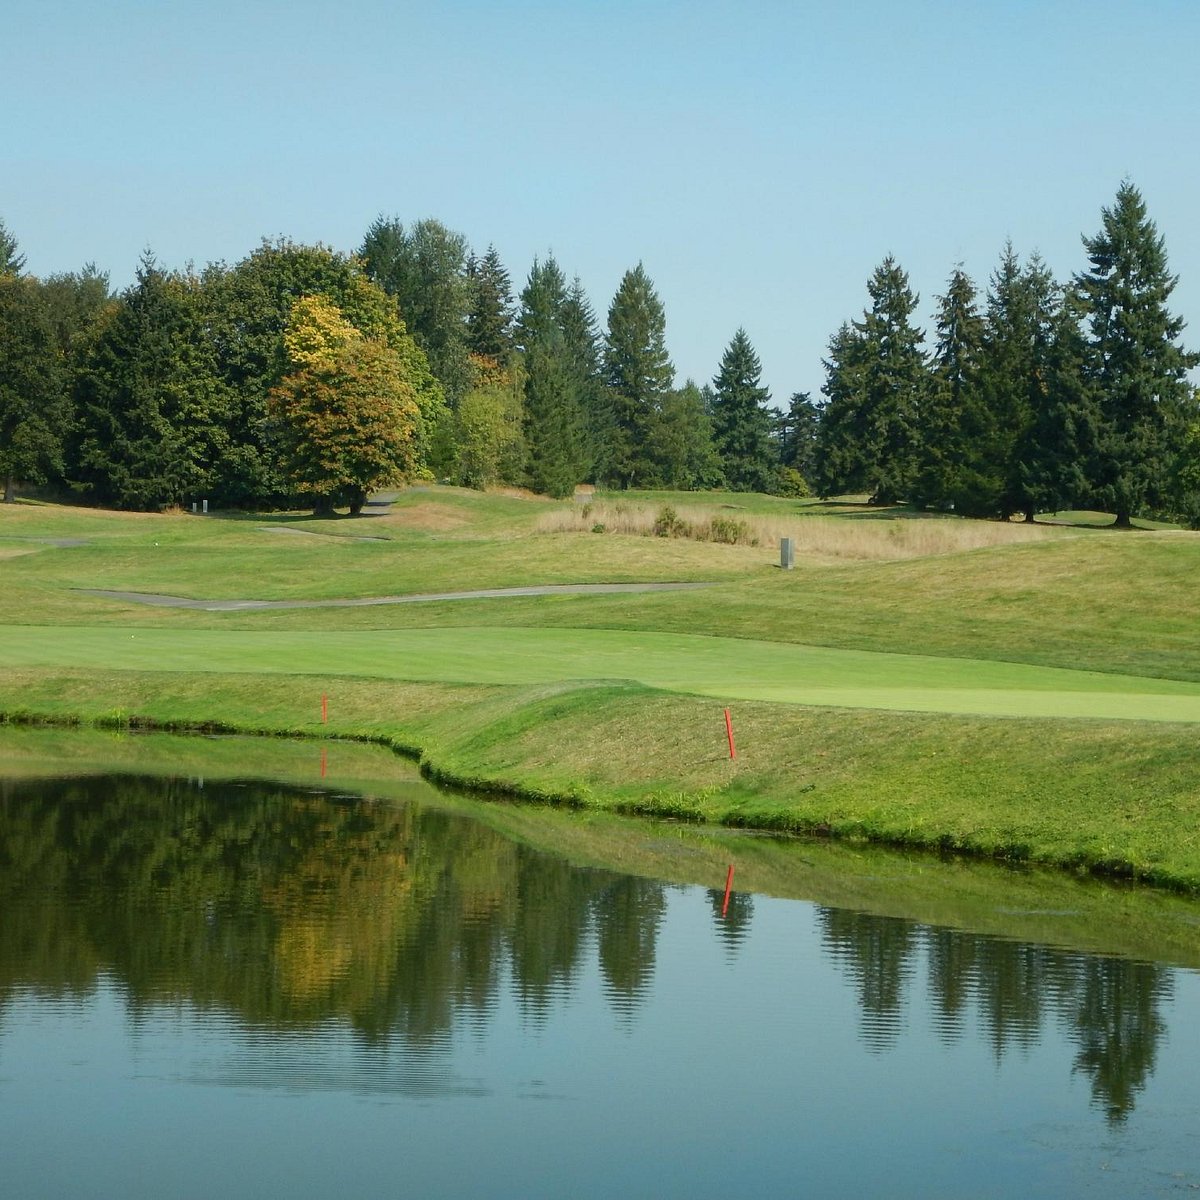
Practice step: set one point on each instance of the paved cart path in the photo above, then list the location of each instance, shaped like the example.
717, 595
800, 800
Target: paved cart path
549, 589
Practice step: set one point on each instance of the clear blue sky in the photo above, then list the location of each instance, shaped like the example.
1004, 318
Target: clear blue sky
759, 158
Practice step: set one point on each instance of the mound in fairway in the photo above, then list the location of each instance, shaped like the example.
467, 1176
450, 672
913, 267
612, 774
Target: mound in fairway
727, 668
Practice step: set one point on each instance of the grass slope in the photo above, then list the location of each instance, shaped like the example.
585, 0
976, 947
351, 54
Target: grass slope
511, 693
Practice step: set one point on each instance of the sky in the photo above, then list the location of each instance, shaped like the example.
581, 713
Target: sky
759, 158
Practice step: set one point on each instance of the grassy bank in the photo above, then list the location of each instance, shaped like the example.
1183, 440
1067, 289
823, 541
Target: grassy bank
902, 697
1043, 906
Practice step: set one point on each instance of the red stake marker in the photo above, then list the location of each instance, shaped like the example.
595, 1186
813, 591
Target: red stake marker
728, 886
324, 708
729, 734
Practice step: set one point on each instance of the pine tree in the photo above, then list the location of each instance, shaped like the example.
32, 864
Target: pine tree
638, 373
741, 422
796, 435
685, 454
581, 332
425, 269
840, 464
951, 417
1139, 368
555, 433
1059, 442
11, 263
876, 385
34, 410
1013, 363
490, 312
153, 408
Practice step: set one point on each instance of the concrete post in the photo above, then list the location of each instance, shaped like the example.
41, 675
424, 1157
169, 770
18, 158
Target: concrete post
787, 553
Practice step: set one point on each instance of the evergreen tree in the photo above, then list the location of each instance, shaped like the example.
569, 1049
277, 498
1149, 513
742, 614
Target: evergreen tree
490, 312
876, 385
582, 336
425, 269
34, 411
638, 373
796, 435
554, 430
11, 263
741, 422
685, 454
951, 416
153, 408
839, 461
74, 300
542, 301
555, 433
1139, 368
1013, 364
1059, 442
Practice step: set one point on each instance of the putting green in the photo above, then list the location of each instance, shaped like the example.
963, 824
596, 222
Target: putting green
725, 668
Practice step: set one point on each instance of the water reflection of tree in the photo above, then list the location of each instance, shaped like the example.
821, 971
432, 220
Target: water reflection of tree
1109, 1006
288, 909
1118, 1025
628, 913
877, 954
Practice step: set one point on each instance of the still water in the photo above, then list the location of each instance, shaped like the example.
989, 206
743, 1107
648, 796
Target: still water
248, 989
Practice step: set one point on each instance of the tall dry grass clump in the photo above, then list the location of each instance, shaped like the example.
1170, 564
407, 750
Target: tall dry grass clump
818, 538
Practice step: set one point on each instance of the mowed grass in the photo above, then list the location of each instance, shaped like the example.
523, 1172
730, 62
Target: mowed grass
725, 668
891, 694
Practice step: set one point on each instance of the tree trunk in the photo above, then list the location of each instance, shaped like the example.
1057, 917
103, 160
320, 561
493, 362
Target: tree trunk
357, 499
323, 506
1030, 516
10, 491
1122, 521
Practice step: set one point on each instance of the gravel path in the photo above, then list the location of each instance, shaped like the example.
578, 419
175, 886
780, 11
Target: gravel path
550, 589
345, 537
61, 543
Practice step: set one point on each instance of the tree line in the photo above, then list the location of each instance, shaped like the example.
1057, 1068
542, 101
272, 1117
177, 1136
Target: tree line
1038, 397
304, 373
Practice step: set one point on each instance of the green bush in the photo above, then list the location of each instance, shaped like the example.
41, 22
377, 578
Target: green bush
790, 483
731, 530
669, 523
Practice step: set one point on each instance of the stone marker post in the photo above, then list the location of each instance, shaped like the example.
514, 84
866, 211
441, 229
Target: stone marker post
787, 553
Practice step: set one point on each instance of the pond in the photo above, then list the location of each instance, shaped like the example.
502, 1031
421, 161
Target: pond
343, 982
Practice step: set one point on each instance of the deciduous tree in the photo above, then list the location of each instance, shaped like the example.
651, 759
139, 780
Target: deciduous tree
346, 417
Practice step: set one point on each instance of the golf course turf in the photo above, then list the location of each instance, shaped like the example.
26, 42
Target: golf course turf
1031, 698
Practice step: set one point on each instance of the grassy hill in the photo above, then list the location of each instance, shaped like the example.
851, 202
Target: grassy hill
1024, 691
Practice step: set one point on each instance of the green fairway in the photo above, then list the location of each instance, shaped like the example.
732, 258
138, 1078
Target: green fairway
726, 668
1030, 692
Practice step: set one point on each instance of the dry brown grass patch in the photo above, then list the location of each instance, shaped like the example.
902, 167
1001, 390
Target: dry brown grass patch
820, 539
428, 516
